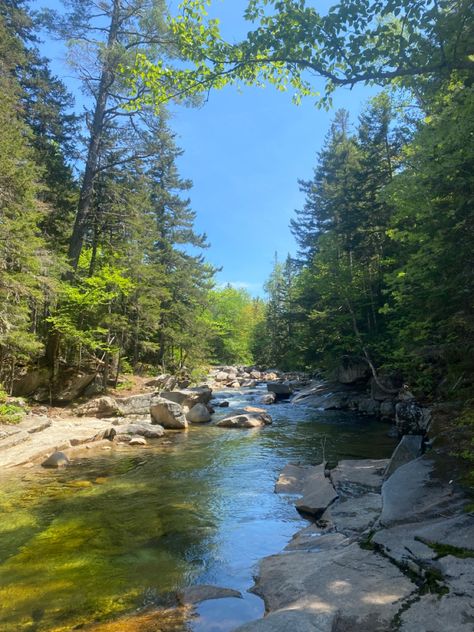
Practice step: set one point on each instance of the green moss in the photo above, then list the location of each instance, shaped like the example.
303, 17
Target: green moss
442, 550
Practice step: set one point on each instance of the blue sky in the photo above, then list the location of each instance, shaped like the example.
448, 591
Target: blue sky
244, 151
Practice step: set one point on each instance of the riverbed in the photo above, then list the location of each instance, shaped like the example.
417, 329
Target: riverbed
125, 528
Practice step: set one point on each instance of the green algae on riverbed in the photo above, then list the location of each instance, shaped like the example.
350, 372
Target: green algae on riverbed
118, 530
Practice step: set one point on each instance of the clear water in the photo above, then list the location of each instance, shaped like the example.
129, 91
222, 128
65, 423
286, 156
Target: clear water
124, 528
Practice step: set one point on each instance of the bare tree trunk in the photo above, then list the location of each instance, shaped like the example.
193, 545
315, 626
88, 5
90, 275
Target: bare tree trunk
97, 129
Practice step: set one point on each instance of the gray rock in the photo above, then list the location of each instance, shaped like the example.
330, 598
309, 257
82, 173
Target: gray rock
255, 375
104, 406
411, 418
199, 413
291, 479
222, 376
414, 493
224, 404
204, 592
29, 383
387, 410
336, 587
138, 441
281, 389
268, 398
369, 406
356, 477
34, 423
318, 492
168, 414
135, 404
286, 620
409, 448
355, 515
311, 539
148, 430
189, 397
434, 613
390, 390
56, 460
352, 370
248, 420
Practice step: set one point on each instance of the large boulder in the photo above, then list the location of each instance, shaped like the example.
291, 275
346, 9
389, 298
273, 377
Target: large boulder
56, 460
150, 431
104, 406
281, 389
199, 413
318, 492
135, 404
352, 370
411, 418
189, 397
268, 398
168, 414
409, 448
70, 385
247, 420
30, 382
162, 382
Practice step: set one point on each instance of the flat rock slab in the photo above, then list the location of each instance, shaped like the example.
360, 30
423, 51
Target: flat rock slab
409, 448
287, 621
432, 613
311, 539
291, 479
414, 493
35, 423
204, 592
410, 541
358, 587
150, 431
355, 515
357, 477
318, 492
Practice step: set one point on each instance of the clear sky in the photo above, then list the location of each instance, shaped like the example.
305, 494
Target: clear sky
244, 151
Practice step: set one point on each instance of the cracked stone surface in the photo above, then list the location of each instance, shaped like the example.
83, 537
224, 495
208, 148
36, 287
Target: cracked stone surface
318, 492
291, 479
358, 476
356, 515
311, 538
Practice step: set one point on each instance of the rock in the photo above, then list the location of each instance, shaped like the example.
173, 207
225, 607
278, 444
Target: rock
409, 448
318, 492
270, 376
435, 613
222, 377
96, 387
163, 381
35, 423
204, 592
352, 370
281, 389
104, 406
311, 539
342, 589
138, 441
189, 397
387, 410
391, 386
414, 493
148, 430
255, 375
369, 406
355, 515
329, 396
135, 404
268, 398
357, 477
248, 383
29, 383
168, 414
249, 420
291, 479
254, 409
56, 460
198, 414
13, 438
294, 620
411, 418
71, 385
224, 404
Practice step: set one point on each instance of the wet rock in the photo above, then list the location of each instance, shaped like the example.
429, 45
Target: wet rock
249, 420
199, 413
168, 414
204, 592
268, 398
409, 448
104, 406
224, 404
135, 404
139, 441
318, 492
411, 418
56, 460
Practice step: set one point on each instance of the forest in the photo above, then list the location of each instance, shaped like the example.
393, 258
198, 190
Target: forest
106, 269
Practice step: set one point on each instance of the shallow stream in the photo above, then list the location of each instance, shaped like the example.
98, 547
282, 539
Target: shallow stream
125, 528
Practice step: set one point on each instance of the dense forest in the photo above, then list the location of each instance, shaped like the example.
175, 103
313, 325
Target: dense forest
105, 269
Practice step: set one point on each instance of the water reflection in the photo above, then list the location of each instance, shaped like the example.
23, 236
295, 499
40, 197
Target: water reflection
125, 528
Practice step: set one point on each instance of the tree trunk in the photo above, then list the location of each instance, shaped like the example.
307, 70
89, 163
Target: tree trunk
97, 129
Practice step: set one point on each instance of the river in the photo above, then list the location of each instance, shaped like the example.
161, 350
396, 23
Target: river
123, 528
